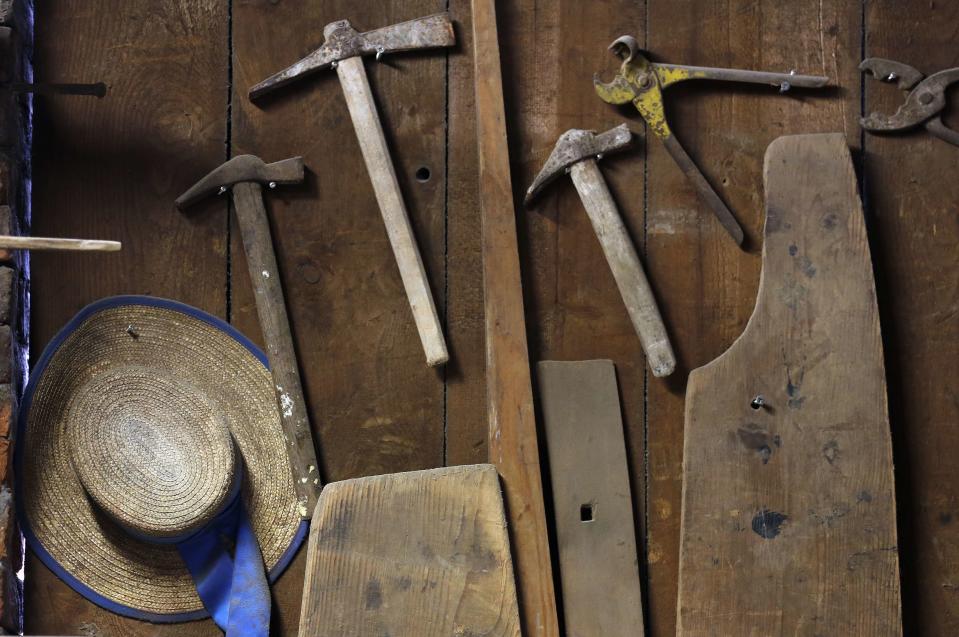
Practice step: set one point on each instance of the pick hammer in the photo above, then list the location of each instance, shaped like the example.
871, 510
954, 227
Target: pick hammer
343, 50
244, 175
576, 154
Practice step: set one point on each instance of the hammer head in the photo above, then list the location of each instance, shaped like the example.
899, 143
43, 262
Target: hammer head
574, 146
243, 168
343, 41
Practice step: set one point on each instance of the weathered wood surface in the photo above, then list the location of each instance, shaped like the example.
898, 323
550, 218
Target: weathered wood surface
789, 514
512, 441
912, 192
418, 554
706, 286
593, 510
110, 168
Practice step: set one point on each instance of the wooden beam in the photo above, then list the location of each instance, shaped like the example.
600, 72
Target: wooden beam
512, 424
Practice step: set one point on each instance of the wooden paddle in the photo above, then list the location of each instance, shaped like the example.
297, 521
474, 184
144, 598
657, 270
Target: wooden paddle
789, 516
419, 554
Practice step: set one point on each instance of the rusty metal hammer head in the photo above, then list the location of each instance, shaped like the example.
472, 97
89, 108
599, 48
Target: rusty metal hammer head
240, 169
574, 146
342, 41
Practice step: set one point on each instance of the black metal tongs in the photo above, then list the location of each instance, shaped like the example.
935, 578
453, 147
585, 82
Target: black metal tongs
924, 103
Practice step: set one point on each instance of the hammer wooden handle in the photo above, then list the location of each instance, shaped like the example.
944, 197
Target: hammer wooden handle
366, 121
624, 262
271, 309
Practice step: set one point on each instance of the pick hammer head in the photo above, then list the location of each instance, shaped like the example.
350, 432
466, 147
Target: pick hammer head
240, 169
343, 41
574, 146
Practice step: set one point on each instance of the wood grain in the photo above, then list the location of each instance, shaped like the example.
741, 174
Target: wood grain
789, 514
419, 554
705, 285
512, 440
111, 168
912, 190
596, 536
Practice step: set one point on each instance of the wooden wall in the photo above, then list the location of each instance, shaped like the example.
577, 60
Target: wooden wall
179, 70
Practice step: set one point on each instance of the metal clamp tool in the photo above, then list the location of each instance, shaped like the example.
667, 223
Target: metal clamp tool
641, 82
924, 103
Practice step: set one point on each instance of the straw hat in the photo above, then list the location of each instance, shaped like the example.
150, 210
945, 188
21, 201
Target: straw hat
138, 422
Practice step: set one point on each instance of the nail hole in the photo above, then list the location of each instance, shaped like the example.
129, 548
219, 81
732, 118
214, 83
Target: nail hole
586, 513
423, 174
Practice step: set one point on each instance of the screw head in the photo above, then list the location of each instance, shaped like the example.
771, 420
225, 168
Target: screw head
132, 330
784, 87
757, 402
272, 185
221, 190
892, 77
379, 52
645, 81
926, 98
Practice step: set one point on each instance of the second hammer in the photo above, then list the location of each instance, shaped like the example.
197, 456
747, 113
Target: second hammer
343, 50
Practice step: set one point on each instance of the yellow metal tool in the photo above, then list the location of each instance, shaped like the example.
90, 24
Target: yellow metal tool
642, 82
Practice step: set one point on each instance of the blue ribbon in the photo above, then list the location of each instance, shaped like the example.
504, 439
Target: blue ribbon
225, 562
233, 588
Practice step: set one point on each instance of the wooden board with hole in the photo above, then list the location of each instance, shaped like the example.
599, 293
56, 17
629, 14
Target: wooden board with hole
593, 511
789, 517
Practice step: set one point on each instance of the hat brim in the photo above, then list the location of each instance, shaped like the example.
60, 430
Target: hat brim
78, 542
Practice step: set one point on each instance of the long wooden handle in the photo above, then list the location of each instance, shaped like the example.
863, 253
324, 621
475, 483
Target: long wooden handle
9, 242
271, 310
624, 262
686, 164
369, 132
513, 446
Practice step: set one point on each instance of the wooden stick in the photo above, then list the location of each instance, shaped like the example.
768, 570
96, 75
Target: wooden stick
10, 242
512, 424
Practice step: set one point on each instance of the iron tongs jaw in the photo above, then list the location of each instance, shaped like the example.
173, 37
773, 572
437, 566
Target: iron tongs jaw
642, 82
924, 103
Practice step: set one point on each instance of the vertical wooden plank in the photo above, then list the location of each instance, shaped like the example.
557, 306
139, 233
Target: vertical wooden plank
465, 373
707, 286
512, 440
111, 168
595, 533
911, 189
550, 51
374, 404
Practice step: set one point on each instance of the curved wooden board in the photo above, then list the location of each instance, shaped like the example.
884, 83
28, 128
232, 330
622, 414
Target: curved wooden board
789, 522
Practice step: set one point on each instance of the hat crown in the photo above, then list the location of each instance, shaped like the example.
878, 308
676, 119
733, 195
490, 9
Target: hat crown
151, 452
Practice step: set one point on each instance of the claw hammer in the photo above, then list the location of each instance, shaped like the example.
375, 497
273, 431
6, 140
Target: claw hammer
343, 50
245, 175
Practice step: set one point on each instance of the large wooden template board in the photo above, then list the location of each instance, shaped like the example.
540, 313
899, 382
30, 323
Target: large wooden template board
595, 532
417, 554
789, 521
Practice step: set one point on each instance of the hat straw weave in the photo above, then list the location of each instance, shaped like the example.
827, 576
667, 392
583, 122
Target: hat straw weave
137, 420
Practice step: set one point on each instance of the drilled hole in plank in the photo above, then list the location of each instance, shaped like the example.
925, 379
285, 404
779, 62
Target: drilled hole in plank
423, 174
586, 513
